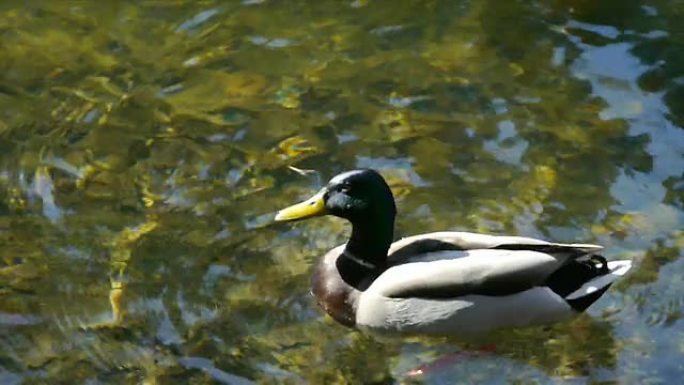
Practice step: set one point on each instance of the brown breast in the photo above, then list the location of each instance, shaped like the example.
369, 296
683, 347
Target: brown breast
332, 292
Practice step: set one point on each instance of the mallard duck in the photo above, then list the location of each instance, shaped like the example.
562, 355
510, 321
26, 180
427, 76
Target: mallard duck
442, 283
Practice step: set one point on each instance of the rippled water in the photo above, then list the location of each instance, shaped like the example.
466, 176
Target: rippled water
144, 148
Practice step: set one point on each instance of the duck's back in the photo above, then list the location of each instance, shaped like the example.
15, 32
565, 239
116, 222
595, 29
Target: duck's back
450, 282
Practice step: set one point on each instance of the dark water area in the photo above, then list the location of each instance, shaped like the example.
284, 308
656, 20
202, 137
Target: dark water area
145, 147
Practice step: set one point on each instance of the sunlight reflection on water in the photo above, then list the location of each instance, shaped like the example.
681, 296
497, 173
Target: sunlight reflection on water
147, 145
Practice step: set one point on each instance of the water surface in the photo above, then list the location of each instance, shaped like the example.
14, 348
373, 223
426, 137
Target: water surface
144, 147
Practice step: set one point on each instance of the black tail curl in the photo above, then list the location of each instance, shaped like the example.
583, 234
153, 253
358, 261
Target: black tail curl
573, 275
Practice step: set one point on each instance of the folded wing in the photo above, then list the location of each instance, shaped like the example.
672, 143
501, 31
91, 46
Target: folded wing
452, 264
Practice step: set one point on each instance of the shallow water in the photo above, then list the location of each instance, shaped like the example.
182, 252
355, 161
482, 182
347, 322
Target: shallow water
144, 148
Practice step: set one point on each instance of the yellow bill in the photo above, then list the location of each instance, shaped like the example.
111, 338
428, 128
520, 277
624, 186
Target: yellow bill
311, 207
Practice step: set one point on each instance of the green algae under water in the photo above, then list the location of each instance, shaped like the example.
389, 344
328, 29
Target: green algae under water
144, 147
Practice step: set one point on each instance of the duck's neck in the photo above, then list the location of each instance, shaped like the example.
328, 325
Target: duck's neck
370, 241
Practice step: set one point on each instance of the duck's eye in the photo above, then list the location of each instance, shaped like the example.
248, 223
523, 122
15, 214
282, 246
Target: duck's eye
345, 188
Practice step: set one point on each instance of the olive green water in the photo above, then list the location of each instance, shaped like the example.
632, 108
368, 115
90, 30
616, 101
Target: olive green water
145, 147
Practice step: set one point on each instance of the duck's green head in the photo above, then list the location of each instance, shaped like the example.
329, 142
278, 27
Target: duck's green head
358, 196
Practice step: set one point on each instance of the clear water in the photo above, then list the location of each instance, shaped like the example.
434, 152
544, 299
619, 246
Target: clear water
144, 147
